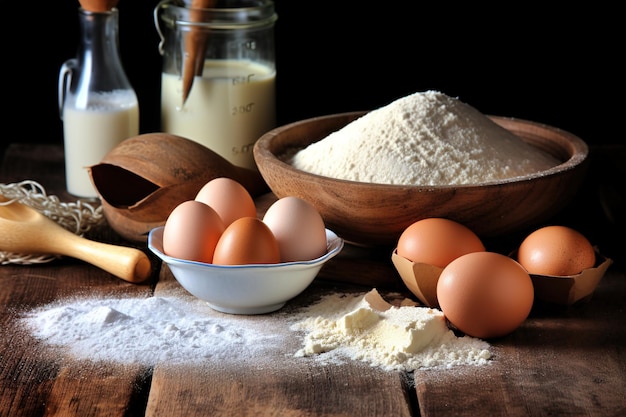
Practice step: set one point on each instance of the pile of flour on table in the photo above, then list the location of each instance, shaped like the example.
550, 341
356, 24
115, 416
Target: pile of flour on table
181, 329
368, 329
425, 138
152, 330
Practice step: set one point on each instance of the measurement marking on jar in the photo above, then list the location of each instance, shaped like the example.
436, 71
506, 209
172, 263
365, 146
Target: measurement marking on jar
243, 149
244, 108
243, 79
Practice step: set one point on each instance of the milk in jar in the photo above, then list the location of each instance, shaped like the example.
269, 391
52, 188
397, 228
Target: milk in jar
218, 78
97, 104
228, 108
89, 134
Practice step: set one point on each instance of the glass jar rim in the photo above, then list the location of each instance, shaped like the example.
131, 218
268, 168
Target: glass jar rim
256, 15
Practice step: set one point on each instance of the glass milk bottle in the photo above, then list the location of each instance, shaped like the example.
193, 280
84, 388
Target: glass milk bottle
217, 84
98, 106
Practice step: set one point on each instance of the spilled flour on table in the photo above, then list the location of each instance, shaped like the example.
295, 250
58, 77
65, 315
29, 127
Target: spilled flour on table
183, 330
367, 328
147, 331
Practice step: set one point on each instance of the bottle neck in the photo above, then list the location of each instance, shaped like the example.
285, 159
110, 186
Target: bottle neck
98, 52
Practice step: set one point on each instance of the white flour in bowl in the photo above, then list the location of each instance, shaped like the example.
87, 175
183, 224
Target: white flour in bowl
425, 138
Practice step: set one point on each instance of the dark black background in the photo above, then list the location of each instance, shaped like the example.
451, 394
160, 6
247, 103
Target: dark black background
559, 67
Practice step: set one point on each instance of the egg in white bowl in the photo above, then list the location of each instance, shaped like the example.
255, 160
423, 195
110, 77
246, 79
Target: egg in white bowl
245, 289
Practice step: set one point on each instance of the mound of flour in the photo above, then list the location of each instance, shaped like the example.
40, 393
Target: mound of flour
148, 331
368, 329
182, 330
425, 138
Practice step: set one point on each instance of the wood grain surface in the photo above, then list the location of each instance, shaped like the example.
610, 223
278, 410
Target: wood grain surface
561, 361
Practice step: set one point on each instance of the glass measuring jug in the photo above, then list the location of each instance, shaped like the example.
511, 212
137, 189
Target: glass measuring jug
228, 101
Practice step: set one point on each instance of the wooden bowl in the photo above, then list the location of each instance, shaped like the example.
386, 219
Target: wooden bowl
376, 214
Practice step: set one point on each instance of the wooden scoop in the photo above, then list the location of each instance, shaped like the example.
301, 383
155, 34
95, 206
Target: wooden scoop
195, 44
158, 171
25, 230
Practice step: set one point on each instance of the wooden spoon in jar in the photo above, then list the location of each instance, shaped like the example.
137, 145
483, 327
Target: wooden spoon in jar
98, 6
26, 230
195, 44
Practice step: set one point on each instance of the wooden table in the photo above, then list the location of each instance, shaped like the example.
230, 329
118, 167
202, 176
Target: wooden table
561, 361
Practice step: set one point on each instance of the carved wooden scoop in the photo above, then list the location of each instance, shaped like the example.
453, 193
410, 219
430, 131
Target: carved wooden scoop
25, 230
145, 177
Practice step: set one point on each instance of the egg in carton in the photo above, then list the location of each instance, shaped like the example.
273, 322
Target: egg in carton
564, 266
566, 290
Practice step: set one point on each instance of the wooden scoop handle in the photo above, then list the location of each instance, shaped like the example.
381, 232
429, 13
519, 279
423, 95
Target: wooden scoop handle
43, 236
127, 263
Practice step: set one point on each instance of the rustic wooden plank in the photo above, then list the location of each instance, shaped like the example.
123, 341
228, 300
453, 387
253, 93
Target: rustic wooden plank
34, 379
98, 390
25, 380
37, 380
285, 391
560, 362
279, 385
563, 361
41, 163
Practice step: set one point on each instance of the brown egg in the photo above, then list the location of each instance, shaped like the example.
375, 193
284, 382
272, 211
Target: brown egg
298, 228
247, 241
437, 241
556, 250
228, 198
192, 231
485, 294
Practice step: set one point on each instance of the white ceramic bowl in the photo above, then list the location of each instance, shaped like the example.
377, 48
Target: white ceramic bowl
244, 289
